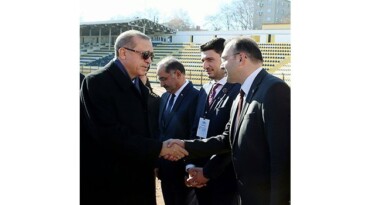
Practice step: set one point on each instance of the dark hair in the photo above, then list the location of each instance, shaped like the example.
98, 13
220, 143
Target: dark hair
216, 44
248, 46
169, 63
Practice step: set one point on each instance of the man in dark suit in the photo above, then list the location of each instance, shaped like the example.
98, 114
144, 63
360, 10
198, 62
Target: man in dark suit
117, 150
81, 78
258, 134
177, 110
214, 105
153, 105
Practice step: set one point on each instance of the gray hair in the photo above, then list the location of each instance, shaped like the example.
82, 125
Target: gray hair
126, 39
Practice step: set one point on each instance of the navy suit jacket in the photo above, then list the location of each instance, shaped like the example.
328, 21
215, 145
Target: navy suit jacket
218, 114
261, 147
81, 78
220, 109
178, 126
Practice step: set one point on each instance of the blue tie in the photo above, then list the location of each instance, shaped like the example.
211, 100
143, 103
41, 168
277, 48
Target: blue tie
168, 109
171, 102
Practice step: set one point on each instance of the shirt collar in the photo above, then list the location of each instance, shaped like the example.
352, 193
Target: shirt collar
222, 81
177, 93
121, 67
249, 80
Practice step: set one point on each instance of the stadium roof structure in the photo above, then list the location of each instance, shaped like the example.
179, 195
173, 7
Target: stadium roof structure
115, 27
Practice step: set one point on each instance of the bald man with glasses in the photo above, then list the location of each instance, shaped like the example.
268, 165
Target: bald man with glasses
257, 135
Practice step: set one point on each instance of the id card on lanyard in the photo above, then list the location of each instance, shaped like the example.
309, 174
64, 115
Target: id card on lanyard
203, 128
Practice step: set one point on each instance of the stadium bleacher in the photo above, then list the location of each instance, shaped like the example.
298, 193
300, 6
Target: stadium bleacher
90, 55
284, 73
277, 59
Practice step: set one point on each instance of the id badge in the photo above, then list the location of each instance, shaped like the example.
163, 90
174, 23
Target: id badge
203, 128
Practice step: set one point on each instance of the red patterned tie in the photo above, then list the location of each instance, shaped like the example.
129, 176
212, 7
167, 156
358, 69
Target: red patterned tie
212, 93
239, 110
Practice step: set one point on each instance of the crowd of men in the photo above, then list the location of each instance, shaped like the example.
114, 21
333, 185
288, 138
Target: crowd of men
225, 144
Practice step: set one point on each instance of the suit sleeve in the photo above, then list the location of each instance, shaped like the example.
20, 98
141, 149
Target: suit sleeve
221, 146
191, 114
207, 147
216, 165
276, 113
199, 108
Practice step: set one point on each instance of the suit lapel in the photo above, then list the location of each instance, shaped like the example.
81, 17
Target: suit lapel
164, 99
144, 91
124, 82
181, 96
253, 89
177, 104
119, 77
233, 118
218, 100
202, 101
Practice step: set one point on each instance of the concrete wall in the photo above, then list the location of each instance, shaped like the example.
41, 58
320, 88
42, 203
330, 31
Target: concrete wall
277, 36
200, 37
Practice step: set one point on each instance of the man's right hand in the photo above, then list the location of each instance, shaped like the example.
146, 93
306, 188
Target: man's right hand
173, 150
196, 178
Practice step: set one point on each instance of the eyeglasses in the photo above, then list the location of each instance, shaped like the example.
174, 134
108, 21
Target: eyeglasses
145, 54
225, 58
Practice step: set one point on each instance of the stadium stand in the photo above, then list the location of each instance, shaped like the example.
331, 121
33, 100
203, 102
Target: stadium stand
284, 73
277, 58
97, 39
93, 56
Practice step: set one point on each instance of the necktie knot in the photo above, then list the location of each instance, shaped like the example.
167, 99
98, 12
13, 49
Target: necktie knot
242, 94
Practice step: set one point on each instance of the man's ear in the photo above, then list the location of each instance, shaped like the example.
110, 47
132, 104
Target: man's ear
178, 73
121, 53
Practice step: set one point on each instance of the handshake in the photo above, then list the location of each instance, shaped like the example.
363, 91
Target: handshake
173, 149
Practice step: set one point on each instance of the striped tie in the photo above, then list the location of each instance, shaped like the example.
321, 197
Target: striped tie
212, 93
239, 110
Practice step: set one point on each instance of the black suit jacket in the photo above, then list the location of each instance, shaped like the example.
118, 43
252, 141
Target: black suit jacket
117, 150
81, 78
153, 112
261, 148
222, 180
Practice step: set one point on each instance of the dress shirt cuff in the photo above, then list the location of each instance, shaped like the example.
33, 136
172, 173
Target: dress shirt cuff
188, 166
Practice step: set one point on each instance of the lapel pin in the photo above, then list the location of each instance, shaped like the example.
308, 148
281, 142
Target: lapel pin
225, 90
